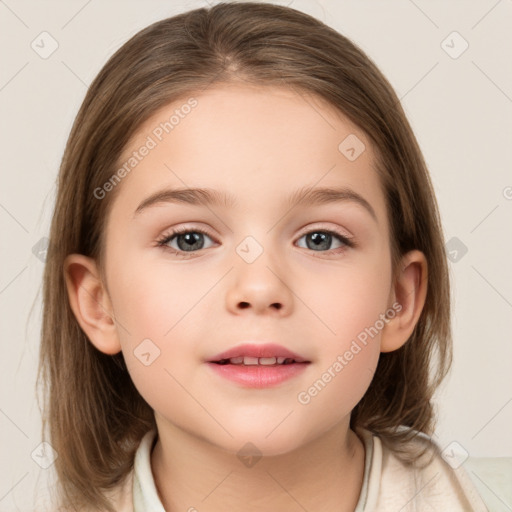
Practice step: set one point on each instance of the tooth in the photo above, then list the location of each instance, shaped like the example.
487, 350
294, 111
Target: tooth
265, 361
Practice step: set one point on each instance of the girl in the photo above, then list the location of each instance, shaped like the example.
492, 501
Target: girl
247, 301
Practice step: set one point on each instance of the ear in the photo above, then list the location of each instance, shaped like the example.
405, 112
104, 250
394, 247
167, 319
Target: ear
90, 303
409, 291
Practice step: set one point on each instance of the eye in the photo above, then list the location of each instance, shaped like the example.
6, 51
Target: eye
320, 239
183, 242
188, 240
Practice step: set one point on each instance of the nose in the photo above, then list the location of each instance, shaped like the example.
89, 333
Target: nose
260, 286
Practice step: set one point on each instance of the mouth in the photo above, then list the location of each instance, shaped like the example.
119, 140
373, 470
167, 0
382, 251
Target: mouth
258, 365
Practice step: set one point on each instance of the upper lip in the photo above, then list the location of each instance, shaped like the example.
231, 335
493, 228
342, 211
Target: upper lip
257, 350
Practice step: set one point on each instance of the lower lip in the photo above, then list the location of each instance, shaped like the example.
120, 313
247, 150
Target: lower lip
258, 376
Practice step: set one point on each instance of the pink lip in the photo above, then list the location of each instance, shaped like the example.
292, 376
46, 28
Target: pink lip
258, 376
254, 350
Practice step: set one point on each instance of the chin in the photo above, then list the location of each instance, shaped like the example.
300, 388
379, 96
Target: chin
258, 443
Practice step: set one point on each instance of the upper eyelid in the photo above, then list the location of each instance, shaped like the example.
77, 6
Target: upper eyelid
338, 231
307, 229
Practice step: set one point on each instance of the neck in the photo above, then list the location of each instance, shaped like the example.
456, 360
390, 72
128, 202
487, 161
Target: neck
325, 474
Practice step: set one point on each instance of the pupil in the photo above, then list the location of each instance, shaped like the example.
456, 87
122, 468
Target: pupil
322, 240
191, 241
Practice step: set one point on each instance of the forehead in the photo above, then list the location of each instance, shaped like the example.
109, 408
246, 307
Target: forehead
250, 140
256, 113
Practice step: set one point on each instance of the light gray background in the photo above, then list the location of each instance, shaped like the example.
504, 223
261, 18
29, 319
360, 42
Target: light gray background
460, 109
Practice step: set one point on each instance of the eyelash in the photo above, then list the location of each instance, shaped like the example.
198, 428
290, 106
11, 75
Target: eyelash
166, 238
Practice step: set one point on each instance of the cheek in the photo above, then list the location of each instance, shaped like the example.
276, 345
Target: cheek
152, 302
344, 303
348, 312
147, 310
157, 348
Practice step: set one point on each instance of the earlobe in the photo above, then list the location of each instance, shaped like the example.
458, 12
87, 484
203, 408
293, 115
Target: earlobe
410, 292
90, 303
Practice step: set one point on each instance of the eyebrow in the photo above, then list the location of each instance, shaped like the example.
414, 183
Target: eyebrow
305, 196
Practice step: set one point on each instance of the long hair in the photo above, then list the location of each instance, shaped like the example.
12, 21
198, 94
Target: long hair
94, 415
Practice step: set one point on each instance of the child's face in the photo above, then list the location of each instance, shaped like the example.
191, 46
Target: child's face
260, 145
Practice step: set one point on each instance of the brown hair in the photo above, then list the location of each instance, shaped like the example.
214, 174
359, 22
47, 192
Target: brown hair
95, 415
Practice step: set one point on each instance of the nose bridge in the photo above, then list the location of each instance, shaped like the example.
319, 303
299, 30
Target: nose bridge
259, 276
257, 244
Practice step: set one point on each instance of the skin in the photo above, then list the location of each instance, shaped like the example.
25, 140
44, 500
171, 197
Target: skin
260, 144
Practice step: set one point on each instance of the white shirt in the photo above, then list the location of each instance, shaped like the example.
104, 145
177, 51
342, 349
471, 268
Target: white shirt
388, 485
